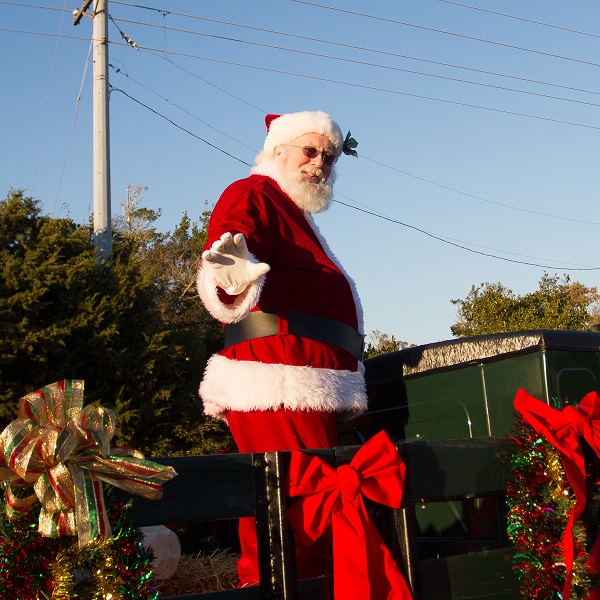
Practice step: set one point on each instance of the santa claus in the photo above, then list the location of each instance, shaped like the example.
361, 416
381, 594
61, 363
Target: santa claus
293, 320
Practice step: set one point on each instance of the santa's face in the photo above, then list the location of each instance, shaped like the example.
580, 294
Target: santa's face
307, 180
293, 157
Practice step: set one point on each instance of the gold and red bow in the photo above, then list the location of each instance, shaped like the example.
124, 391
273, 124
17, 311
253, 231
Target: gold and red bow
564, 430
363, 567
58, 452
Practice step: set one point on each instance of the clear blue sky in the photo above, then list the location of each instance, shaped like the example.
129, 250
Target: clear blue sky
507, 165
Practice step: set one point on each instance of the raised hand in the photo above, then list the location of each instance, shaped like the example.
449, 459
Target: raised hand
232, 266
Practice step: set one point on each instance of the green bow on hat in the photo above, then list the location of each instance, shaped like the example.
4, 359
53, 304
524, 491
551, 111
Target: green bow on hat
349, 144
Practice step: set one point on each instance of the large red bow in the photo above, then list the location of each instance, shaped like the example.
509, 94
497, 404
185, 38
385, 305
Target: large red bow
563, 429
363, 567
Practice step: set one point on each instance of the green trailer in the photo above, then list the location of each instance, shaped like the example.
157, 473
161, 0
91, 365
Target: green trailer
465, 388
462, 389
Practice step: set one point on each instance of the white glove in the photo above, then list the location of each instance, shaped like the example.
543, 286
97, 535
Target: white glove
232, 266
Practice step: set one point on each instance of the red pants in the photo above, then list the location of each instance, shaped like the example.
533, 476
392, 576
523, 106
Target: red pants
267, 431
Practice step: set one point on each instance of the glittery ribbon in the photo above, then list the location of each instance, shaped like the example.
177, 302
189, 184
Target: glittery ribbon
564, 430
363, 567
58, 453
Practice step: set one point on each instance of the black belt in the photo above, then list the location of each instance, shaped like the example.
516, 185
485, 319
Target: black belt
314, 327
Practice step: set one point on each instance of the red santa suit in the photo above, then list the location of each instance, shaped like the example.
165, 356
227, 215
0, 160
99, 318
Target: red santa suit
281, 391
284, 370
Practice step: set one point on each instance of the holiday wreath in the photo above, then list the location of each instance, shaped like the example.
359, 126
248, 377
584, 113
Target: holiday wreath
555, 469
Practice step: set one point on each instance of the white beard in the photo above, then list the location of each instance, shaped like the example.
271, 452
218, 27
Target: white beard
309, 197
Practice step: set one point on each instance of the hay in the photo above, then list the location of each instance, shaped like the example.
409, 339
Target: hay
201, 573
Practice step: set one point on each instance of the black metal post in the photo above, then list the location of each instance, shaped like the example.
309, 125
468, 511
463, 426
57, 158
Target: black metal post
278, 580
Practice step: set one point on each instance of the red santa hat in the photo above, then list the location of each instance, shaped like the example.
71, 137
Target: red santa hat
282, 129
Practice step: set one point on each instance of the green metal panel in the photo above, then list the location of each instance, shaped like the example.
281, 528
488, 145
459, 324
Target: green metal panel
571, 375
446, 405
486, 575
502, 380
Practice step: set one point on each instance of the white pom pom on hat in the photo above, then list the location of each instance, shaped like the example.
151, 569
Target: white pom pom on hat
282, 129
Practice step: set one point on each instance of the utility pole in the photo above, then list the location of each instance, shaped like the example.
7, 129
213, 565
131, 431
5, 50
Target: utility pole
100, 134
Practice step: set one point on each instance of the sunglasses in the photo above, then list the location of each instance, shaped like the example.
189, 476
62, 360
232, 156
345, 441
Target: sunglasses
312, 152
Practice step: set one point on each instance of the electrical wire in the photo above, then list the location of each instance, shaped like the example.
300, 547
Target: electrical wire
387, 166
450, 189
125, 37
370, 87
361, 48
119, 71
359, 62
37, 154
44, 34
62, 171
115, 89
451, 33
493, 12
165, 58
461, 245
434, 236
21, 5
455, 244
164, 13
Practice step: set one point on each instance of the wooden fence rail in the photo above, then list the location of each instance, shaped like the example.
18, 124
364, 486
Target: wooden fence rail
230, 486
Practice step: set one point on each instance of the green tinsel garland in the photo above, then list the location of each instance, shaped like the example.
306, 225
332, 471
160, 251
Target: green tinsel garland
539, 498
33, 567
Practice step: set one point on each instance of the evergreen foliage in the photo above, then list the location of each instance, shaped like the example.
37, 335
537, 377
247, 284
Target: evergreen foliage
557, 304
133, 329
382, 343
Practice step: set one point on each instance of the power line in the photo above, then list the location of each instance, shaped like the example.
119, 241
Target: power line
461, 246
165, 12
165, 58
361, 48
370, 87
37, 154
493, 12
357, 62
326, 80
187, 112
387, 166
44, 34
371, 212
159, 51
450, 189
62, 171
20, 4
364, 49
439, 238
451, 33
115, 89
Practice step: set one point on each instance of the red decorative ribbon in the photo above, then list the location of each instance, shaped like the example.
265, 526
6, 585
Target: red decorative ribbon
363, 567
564, 430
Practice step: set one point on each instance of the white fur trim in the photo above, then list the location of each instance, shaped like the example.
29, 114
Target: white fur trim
227, 313
288, 127
334, 260
268, 168
247, 385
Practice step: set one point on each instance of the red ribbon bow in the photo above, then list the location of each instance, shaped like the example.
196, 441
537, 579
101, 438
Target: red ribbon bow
363, 567
563, 429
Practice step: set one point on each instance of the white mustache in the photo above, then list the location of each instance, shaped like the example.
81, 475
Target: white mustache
313, 172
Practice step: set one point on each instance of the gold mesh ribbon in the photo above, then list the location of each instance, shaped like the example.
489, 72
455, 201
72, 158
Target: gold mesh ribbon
58, 453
